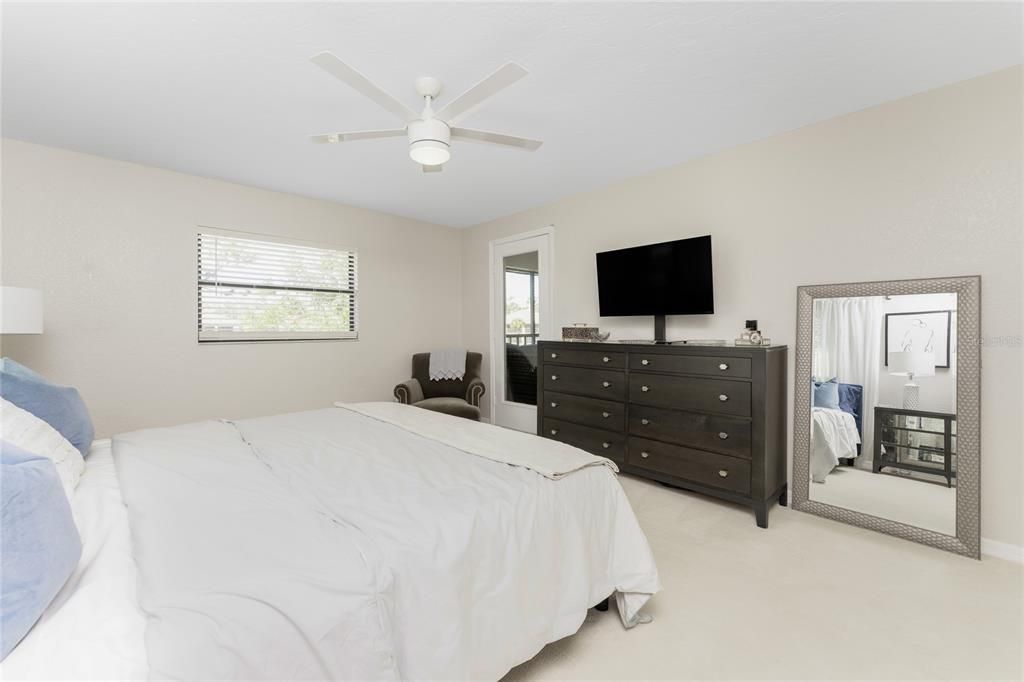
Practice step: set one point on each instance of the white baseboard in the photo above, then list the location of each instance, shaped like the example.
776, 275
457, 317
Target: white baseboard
1002, 550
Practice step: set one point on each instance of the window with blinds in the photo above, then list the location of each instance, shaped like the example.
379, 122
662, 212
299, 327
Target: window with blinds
256, 289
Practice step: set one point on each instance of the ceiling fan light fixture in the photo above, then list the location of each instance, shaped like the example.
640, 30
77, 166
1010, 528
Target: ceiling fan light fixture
429, 152
429, 133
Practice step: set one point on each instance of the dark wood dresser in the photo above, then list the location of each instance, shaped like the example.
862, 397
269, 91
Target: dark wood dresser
711, 419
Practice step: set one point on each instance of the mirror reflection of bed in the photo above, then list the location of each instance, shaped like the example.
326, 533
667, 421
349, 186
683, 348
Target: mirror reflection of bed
883, 419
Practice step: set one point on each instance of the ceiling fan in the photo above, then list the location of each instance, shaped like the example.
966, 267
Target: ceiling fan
430, 133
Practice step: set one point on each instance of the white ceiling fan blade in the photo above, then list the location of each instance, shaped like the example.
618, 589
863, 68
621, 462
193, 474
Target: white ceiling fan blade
357, 81
482, 91
328, 138
432, 169
496, 138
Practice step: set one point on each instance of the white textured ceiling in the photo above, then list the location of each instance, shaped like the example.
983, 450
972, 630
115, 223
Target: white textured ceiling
615, 90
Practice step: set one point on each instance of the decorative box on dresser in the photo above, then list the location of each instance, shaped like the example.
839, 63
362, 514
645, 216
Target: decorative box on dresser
711, 419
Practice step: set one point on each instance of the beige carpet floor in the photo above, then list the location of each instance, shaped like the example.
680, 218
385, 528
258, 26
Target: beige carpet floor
924, 504
805, 599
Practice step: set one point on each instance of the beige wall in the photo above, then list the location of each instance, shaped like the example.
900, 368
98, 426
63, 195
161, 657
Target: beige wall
112, 246
925, 186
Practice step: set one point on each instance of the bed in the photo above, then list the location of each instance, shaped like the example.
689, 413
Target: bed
836, 433
369, 541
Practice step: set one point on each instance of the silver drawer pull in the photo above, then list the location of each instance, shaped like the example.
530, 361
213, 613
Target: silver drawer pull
645, 422
554, 432
554, 377
606, 445
723, 435
645, 388
723, 398
554, 355
645, 454
554, 403
723, 473
606, 414
605, 384
723, 366
645, 361
606, 359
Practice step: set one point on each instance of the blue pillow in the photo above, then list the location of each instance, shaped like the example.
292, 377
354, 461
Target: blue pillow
826, 394
59, 406
39, 544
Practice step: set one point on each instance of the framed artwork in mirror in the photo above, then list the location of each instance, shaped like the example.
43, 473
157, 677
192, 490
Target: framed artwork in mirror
927, 331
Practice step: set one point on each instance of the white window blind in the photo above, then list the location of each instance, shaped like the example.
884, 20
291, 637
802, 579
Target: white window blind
256, 289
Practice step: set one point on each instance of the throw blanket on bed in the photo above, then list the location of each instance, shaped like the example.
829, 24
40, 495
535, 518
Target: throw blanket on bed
548, 458
834, 436
337, 545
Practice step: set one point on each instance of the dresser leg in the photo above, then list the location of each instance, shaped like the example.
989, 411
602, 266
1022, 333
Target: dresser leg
761, 514
602, 606
784, 495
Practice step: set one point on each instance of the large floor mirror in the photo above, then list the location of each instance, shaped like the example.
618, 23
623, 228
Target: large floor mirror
888, 416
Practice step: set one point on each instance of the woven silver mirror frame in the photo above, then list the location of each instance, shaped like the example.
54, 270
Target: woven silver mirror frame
968, 407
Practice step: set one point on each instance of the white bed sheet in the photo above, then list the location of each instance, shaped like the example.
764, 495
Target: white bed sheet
834, 436
93, 629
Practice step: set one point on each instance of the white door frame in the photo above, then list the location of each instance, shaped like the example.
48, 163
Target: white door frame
518, 416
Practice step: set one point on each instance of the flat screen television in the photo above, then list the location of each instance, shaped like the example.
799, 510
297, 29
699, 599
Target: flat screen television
671, 278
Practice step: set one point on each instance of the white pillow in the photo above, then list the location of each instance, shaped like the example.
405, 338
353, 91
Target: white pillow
29, 432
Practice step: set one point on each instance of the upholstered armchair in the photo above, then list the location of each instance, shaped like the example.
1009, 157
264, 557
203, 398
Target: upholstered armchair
457, 397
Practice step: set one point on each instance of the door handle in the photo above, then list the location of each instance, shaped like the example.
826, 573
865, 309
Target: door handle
605, 384
723, 435
723, 398
645, 454
723, 366
645, 388
606, 445
723, 473
645, 362
605, 359
554, 404
554, 432
645, 422
554, 377
606, 414
554, 356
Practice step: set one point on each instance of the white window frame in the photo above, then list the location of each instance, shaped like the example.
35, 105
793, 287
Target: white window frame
214, 338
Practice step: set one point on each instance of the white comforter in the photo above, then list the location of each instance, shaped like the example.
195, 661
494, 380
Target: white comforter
834, 436
331, 544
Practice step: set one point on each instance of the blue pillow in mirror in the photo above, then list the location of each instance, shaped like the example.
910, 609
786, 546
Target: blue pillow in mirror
39, 543
59, 406
826, 394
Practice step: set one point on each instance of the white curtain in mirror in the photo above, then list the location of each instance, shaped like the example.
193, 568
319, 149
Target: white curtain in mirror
847, 346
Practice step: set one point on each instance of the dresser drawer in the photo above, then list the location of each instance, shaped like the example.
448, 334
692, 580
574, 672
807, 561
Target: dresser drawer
728, 435
603, 414
597, 441
699, 466
589, 358
607, 384
691, 364
685, 393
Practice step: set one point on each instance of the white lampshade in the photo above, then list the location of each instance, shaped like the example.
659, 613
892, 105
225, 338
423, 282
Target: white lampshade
21, 311
912, 362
